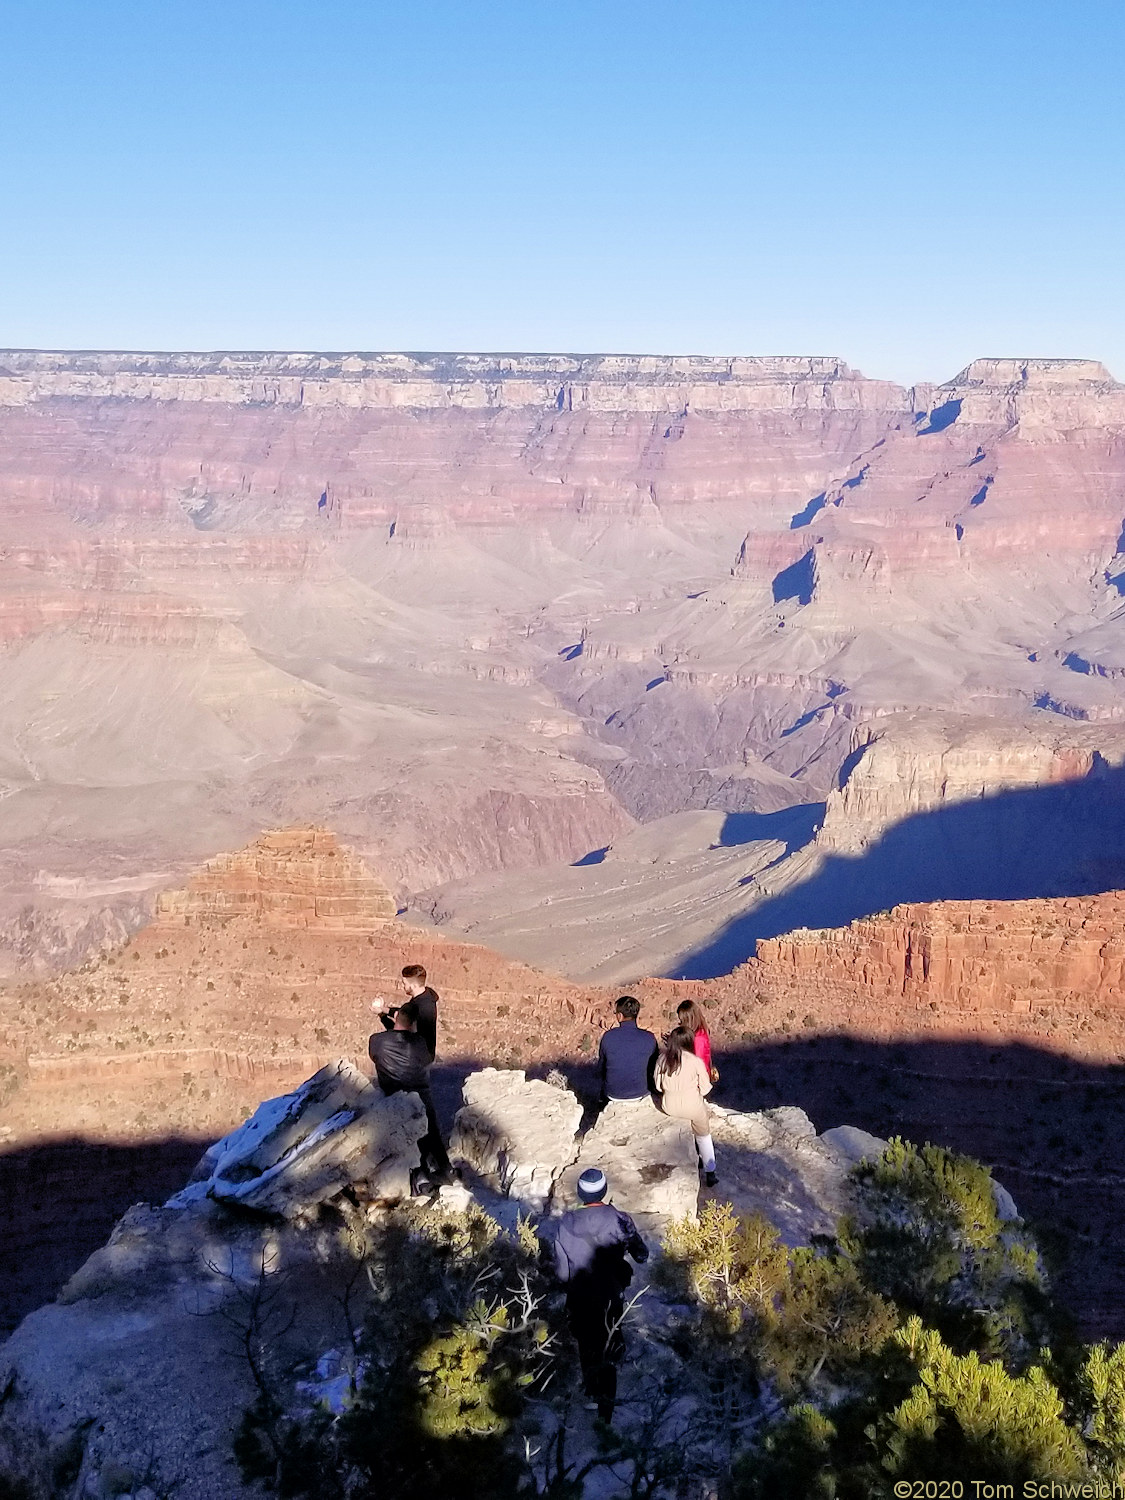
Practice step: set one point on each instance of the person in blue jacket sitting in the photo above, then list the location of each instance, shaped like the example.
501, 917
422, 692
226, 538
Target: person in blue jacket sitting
626, 1055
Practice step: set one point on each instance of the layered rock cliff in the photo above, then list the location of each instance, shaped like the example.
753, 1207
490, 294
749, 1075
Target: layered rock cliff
977, 964
299, 877
605, 382
478, 612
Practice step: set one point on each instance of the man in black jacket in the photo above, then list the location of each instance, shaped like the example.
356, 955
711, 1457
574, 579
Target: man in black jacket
425, 998
586, 1250
402, 1065
626, 1055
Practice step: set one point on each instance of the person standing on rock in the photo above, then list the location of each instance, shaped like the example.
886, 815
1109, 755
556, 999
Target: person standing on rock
691, 1018
586, 1249
426, 999
402, 1065
626, 1055
684, 1083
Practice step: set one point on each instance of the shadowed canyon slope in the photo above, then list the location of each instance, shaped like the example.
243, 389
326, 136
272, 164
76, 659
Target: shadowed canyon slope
484, 615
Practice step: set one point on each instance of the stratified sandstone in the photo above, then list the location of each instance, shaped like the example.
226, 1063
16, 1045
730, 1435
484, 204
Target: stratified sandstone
962, 964
296, 877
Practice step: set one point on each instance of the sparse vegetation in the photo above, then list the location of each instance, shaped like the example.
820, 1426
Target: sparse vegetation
910, 1345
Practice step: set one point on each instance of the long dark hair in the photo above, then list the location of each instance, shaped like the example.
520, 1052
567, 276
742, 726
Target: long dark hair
691, 1016
676, 1043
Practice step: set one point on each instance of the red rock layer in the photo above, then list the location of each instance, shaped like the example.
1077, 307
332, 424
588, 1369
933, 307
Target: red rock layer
266, 964
298, 877
1051, 969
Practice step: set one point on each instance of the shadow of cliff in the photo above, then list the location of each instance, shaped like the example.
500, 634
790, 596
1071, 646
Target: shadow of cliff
1052, 1129
59, 1200
796, 825
1066, 839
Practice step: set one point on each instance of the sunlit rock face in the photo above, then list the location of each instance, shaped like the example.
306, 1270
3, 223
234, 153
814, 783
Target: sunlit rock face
298, 877
482, 614
979, 964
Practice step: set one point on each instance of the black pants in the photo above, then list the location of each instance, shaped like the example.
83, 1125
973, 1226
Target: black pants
431, 1148
595, 1320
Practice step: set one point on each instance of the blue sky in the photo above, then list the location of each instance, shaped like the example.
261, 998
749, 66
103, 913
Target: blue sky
906, 186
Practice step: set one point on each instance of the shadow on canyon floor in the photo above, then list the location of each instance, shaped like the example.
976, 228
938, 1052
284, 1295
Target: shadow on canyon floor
1052, 1128
796, 825
1067, 839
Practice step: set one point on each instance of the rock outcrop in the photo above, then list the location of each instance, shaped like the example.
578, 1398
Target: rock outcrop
648, 1158
336, 1132
519, 1133
135, 1376
292, 877
136, 1379
773, 1163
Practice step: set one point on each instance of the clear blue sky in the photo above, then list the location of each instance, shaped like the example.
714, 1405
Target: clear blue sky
906, 185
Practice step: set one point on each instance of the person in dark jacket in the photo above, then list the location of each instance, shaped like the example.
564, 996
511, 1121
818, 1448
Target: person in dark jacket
402, 1065
586, 1250
626, 1055
425, 998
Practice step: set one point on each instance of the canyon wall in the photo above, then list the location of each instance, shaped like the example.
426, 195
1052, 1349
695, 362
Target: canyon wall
1054, 969
484, 613
442, 381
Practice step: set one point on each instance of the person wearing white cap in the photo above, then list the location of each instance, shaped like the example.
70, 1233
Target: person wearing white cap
586, 1249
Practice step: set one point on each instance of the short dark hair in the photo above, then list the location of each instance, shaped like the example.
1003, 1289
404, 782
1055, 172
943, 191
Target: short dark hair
408, 1012
629, 1007
414, 971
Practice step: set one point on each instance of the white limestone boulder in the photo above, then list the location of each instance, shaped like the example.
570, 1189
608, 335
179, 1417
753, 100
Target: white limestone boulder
648, 1158
517, 1132
853, 1144
336, 1131
771, 1162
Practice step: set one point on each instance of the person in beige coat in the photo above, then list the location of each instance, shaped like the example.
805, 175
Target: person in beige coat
684, 1083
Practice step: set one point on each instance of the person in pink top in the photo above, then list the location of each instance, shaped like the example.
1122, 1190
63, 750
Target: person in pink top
691, 1018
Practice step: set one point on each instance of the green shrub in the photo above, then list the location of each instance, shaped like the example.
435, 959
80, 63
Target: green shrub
927, 1236
790, 1313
